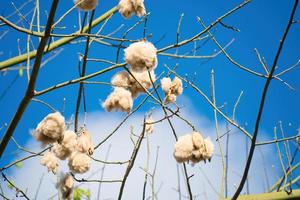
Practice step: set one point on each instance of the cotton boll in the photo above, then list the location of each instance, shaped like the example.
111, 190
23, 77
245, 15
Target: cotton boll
149, 127
141, 56
166, 84
79, 162
43, 138
119, 99
60, 151
140, 78
126, 8
70, 141
67, 146
51, 128
121, 79
139, 7
86, 5
66, 185
85, 143
177, 88
170, 98
50, 161
183, 148
171, 88
193, 147
209, 149
198, 140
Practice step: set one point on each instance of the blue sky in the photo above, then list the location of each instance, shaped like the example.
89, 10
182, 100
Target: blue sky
261, 24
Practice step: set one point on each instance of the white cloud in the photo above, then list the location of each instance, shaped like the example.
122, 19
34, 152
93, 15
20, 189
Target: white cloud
101, 124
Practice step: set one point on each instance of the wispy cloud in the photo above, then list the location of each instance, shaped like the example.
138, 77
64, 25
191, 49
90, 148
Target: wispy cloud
206, 177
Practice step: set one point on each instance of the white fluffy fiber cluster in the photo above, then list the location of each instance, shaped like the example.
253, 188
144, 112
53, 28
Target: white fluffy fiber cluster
172, 89
85, 143
50, 129
141, 56
66, 144
193, 147
66, 185
86, 5
79, 162
129, 7
50, 161
120, 100
127, 81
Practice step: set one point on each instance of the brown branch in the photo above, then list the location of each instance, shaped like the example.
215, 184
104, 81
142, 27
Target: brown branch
262, 103
131, 162
31, 86
18, 190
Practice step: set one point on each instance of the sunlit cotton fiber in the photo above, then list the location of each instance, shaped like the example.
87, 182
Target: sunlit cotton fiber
121, 79
183, 148
141, 56
172, 89
85, 143
126, 8
70, 140
119, 100
67, 146
79, 162
193, 147
66, 185
134, 84
166, 84
50, 129
139, 7
140, 81
176, 87
60, 151
129, 7
50, 161
86, 5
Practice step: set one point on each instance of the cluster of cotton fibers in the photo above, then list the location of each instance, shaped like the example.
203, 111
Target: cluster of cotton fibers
193, 147
85, 143
79, 162
66, 185
120, 100
135, 83
67, 146
141, 56
50, 161
172, 89
50, 129
86, 5
129, 7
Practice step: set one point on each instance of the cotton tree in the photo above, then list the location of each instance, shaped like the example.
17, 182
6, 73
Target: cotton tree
147, 142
